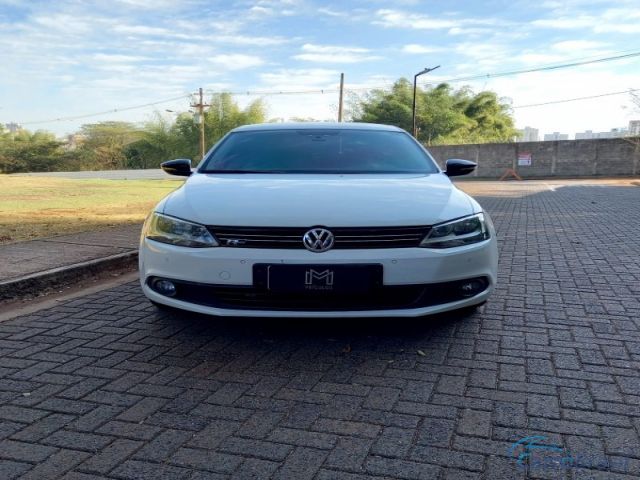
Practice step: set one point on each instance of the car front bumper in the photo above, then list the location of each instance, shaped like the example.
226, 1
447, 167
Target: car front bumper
222, 267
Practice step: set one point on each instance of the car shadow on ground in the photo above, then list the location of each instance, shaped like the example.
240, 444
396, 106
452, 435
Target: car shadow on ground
345, 333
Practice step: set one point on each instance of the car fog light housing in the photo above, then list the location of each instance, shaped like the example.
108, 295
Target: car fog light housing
472, 287
164, 287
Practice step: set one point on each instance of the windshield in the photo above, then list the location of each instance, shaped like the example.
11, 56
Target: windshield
318, 151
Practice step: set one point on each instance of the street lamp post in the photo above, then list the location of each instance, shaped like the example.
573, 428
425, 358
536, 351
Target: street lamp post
415, 87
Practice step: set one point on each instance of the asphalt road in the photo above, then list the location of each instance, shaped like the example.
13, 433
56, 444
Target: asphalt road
146, 174
106, 386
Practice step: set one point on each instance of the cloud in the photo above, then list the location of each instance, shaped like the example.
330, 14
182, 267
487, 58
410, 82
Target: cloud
332, 13
577, 46
267, 8
415, 48
409, 20
300, 78
235, 61
115, 58
334, 54
578, 21
598, 114
141, 30
625, 20
416, 21
252, 41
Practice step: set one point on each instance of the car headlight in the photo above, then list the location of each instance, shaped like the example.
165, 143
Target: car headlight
456, 233
165, 229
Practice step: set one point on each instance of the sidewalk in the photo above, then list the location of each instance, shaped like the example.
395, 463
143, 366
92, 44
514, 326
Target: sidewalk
28, 267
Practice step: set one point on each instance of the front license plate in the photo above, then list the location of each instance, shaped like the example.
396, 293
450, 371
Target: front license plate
318, 278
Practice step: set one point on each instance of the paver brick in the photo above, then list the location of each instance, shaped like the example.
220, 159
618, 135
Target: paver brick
302, 464
56, 465
106, 386
25, 452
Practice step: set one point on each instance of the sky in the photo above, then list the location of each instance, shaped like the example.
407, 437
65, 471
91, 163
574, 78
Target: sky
78, 57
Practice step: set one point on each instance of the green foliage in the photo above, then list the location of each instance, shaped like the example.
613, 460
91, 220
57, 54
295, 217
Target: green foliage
105, 143
25, 151
443, 115
224, 114
123, 145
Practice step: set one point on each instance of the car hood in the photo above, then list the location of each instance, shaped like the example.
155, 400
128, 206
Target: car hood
309, 200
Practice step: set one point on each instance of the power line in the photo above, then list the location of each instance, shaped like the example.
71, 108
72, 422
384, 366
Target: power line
543, 68
114, 110
265, 93
577, 98
334, 90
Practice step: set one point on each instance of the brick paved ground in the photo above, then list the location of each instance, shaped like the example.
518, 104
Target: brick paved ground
106, 387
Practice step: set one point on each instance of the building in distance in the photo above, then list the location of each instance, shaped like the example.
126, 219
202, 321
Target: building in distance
548, 137
529, 134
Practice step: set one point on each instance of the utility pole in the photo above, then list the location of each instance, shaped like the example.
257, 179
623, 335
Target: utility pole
415, 87
200, 106
341, 97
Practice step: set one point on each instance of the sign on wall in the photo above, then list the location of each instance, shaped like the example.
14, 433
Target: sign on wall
524, 159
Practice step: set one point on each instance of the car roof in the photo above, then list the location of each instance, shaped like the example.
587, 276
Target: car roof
316, 125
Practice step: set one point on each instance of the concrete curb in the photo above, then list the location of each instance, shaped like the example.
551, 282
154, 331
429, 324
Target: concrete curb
39, 282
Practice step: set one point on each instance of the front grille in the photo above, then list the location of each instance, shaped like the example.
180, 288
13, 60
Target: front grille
386, 297
345, 237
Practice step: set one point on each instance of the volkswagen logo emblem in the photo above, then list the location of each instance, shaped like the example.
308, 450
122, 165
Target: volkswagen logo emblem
318, 240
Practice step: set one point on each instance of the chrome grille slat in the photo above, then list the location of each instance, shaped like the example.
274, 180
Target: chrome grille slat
345, 237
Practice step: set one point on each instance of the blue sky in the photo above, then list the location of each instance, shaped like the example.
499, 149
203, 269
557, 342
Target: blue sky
74, 57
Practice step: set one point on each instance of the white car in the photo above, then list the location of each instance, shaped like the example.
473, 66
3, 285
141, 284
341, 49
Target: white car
318, 220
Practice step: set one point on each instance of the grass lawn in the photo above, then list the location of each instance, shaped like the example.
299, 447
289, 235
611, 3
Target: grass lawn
36, 207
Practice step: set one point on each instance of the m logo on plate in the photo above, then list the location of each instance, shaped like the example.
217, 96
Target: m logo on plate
314, 280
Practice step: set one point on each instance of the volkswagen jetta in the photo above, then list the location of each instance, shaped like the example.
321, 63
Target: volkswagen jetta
318, 220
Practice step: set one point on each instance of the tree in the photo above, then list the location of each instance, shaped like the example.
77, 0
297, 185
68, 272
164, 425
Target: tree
224, 115
105, 142
29, 152
443, 115
120, 145
392, 107
162, 140
158, 142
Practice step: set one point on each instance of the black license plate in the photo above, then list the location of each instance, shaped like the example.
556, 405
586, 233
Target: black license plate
318, 278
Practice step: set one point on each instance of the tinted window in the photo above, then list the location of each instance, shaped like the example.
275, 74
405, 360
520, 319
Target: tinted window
319, 151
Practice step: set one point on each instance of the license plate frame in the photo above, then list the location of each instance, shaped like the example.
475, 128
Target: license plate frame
318, 279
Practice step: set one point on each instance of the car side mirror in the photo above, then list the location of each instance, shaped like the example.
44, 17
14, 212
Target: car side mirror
457, 166
180, 167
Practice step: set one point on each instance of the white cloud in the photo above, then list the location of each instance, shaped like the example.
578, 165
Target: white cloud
532, 59
300, 79
419, 49
235, 61
334, 54
577, 46
252, 41
598, 114
613, 20
115, 58
332, 13
578, 21
410, 20
141, 30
